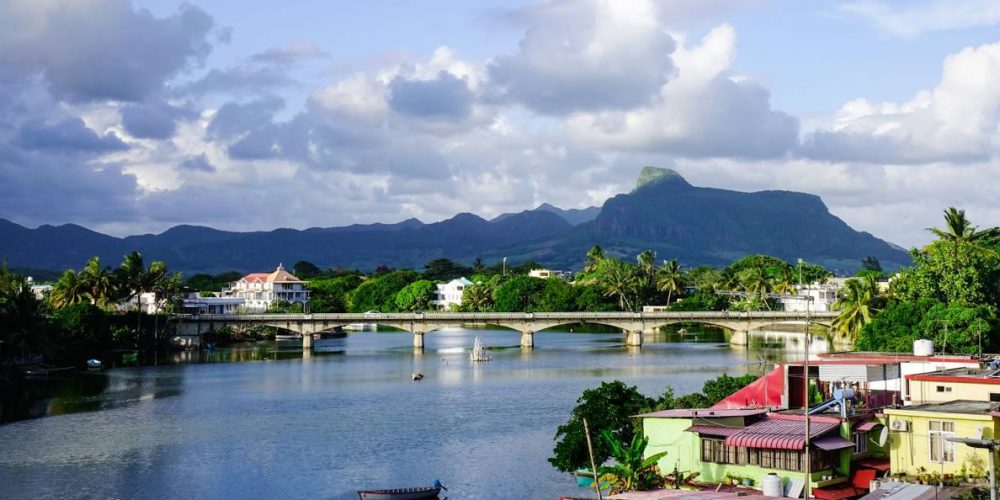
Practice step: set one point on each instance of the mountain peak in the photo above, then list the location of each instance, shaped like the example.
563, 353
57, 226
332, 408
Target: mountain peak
656, 175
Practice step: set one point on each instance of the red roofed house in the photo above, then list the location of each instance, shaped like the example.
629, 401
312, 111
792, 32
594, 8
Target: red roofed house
261, 290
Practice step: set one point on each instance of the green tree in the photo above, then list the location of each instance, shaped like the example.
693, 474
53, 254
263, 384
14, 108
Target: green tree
631, 471
704, 277
556, 296
477, 297
871, 263
518, 294
304, 269
378, 293
444, 270
329, 295
69, 289
99, 282
722, 387
591, 298
610, 408
594, 256
23, 327
619, 280
416, 296
670, 278
856, 305
703, 299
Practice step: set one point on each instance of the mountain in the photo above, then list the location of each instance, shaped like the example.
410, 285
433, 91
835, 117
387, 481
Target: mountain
664, 213
574, 216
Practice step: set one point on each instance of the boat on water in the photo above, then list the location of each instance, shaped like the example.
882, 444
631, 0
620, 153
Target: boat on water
478, 352
284, 337
416, 493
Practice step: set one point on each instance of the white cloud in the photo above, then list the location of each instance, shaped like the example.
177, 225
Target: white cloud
957, 121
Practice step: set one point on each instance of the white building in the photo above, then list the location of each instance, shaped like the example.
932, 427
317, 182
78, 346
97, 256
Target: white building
823, 297
450, 294
546, 273
213, 305
260, 290
40, 291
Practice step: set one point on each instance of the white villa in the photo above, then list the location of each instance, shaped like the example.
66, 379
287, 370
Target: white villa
823, 297
450, 294
260, 290
546, 274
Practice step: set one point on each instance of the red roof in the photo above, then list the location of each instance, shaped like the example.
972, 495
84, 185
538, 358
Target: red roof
783, 432
705, 412
764, 392
954, 378
256, 277
867, 426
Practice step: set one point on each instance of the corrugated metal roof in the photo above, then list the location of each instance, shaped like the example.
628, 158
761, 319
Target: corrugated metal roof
867, 426
714, 430
705, 412
830, 443
781, 432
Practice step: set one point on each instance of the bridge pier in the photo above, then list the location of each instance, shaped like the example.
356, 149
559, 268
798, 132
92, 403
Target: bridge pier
528, 339
739, 337
418, 340
307, 341
633, 338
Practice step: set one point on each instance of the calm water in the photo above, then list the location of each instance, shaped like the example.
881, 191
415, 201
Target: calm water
347, 418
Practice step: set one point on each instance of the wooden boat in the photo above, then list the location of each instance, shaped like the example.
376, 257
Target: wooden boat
417, 493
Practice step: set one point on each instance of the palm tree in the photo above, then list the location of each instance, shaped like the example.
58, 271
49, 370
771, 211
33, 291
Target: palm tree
957, 228
99, 282
631, 472
784, 282
594, 256
857, 305
477, 298
70, 289
620, 280
754, 281
670, 278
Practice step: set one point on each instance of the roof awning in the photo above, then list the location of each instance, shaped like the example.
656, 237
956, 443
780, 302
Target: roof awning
781, 433
867, 426
831, 443
714, 430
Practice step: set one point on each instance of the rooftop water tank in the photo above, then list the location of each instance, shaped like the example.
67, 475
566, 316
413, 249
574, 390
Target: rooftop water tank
772, 485
923, 347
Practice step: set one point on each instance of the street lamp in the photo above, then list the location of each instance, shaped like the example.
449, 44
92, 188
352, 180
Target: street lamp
800, 273
987, 444
503, 272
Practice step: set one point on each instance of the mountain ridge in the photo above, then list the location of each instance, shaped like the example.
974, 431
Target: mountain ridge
664, 213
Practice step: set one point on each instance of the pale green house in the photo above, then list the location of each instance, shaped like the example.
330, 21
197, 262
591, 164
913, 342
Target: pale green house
722, 444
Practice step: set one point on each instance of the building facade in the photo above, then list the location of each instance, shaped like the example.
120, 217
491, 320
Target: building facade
918, 437
449, 295
260, 291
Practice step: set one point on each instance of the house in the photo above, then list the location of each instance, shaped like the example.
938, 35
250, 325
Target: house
964, 383
40, 291
195, 304
449, 294
918, 437
261, 290
822, 298
546, 274
720, 444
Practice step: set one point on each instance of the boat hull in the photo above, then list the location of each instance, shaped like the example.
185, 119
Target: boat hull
400, 494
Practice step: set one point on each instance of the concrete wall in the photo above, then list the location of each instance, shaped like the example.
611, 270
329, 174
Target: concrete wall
927, 391
910, 450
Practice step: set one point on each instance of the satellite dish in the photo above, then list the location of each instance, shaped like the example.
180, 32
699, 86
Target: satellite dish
883, 436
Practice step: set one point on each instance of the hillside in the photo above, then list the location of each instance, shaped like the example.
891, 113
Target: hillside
663, 213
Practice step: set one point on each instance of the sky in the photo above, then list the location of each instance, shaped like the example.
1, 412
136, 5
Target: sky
131, 117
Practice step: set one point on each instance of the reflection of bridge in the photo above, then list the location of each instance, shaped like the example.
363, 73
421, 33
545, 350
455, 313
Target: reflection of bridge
632, 324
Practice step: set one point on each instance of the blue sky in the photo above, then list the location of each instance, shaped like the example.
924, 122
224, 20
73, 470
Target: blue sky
134, 116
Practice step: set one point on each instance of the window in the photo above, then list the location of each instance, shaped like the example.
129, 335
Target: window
941, 450
994, 397
860, 442
942, 388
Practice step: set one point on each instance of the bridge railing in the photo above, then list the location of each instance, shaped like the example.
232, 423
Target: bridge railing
517, 316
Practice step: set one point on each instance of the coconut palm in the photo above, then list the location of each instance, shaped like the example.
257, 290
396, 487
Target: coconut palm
99, 282
784, 282
630, 472
670, 278
620, 280
957, 229
22, 325
856, 306
594, 256
754, 281
69, 289
477, 298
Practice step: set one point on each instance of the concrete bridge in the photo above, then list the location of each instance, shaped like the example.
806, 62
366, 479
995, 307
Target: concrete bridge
633, 325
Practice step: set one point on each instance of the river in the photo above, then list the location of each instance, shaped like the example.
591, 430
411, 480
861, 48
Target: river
278, 425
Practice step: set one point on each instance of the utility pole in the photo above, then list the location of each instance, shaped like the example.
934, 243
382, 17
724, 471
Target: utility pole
503, 272
805, 372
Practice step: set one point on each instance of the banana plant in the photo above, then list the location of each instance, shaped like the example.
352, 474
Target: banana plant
630, 472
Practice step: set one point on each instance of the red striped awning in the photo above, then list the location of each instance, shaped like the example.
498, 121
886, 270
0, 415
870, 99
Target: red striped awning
714, 430
782, 432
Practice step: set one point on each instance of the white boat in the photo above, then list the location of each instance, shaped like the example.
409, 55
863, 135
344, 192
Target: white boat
478, 352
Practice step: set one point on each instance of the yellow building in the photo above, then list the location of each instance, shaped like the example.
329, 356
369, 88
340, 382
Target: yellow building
918, 437
954, 384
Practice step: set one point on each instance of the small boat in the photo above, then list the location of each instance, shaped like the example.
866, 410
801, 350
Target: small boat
478, 352
285, 337
94, 364
417, 376
417, 493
